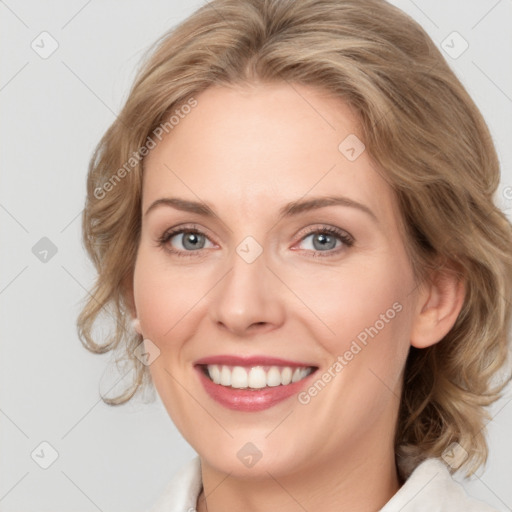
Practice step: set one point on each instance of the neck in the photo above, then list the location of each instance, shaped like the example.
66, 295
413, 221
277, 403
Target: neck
342, 483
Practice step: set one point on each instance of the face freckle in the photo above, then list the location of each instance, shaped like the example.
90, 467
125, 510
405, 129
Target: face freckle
300, 259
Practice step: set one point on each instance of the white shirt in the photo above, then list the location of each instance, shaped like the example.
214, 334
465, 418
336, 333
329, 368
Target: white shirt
429, 488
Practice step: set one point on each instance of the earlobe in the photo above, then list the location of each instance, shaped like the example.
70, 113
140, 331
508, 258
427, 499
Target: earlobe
136, 325
439, 304
127, 287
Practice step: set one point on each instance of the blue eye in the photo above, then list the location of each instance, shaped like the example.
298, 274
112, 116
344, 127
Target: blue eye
327, 240
186, 240
323, 241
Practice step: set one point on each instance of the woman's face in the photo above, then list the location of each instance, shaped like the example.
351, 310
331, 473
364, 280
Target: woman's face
270, 251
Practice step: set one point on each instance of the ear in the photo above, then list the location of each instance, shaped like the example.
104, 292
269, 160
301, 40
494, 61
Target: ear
128, 296
129, 301
439, 303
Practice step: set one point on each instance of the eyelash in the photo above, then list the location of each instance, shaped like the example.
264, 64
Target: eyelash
345, 238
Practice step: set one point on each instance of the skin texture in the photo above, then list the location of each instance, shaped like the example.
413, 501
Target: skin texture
247, 151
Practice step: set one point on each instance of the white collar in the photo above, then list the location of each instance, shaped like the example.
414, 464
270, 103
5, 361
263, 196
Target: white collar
430, 488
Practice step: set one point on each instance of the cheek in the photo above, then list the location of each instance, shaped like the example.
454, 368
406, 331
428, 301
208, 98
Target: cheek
368, 313
372, 321
357, 302
166, 297
167, 301
369, 318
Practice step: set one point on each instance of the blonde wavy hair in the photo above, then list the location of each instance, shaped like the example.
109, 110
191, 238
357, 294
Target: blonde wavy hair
418, 124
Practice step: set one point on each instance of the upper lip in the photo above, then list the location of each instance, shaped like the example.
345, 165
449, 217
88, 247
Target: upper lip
230, 360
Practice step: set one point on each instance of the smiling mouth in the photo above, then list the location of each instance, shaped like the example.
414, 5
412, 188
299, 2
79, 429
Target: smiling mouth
255, 377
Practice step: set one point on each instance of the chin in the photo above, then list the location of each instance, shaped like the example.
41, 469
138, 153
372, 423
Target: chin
248, 459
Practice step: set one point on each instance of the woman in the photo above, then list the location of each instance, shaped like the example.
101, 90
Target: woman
294, 211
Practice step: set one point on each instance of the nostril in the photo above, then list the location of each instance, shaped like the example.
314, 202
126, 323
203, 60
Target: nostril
257, 324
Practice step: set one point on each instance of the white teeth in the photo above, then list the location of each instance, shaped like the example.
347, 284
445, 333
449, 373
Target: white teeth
296, 375
215, 373
225, 376
239, 377
273, 377
256, 377
286, 376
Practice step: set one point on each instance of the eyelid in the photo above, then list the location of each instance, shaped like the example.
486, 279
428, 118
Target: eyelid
162, 241
347, 240
344, 236
181, 228
326, 228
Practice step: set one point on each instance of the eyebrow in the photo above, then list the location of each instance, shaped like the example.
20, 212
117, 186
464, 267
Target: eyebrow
289, 210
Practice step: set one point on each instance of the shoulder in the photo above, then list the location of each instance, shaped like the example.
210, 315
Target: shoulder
181, 493
431, 487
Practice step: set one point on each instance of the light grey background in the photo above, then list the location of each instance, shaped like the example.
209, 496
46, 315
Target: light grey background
54, 110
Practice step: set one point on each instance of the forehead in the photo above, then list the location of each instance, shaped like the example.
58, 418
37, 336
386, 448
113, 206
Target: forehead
256, 147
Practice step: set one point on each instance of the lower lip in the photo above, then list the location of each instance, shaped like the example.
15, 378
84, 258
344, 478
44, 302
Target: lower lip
250, 400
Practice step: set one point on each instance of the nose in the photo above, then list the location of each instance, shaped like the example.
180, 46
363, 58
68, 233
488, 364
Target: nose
248, 299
